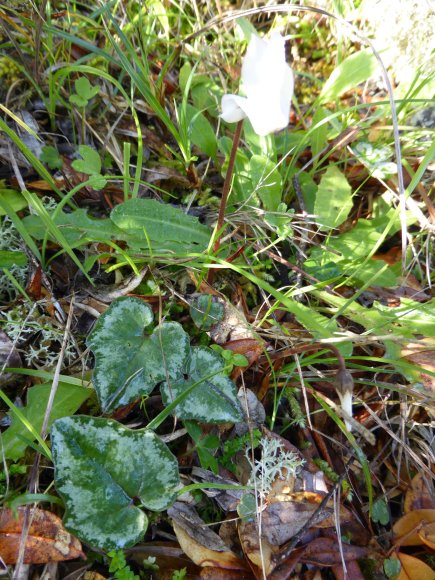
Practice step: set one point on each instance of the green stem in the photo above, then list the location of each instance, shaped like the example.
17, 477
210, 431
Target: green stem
226, 192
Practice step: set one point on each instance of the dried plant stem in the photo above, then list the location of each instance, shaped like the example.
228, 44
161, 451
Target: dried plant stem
225, 193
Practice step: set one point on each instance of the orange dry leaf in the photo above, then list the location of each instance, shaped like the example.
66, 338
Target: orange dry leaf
47, 540
414, 569
427, 535
406, 530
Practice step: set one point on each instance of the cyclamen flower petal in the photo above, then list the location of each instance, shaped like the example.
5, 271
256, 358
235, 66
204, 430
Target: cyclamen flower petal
268, 85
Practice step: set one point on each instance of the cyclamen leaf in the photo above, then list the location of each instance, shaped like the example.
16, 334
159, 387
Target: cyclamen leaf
91, 162
100, 467
129, 363
206, 311
212, 401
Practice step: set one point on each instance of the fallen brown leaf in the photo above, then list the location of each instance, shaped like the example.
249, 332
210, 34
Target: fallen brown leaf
414, 569
427, 535
420, 494
260, 556
47, 539
286, 514
422, 354
326, 552
406, 530
200, 542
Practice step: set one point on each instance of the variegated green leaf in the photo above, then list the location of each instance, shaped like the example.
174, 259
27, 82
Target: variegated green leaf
101, 469
130, 358
213, 400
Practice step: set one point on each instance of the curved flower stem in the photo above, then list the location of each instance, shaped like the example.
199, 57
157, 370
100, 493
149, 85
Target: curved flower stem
225, 193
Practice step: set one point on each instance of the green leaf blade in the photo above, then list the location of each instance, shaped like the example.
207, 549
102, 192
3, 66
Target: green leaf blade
354, 69
128, 363
214, 400
166, 226
333, 199
266, 181
67, 401
100, 466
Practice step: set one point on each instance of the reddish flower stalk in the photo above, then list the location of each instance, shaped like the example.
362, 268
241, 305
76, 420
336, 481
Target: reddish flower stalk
225, 193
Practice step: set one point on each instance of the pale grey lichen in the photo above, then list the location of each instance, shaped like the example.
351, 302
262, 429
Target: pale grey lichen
275, 462
37, 336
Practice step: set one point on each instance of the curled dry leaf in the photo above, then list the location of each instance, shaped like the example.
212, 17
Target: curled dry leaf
286, 515
260, 556
253, 411
427, 535
47, 539
249, 347
200, 542
414, 569
407, 529
326, 552
422, 354
420, 494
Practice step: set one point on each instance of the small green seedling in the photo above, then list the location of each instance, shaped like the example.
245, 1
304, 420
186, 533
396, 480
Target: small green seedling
392, 567
91, 165
50, 156
232, 359
380, 512
84, 92
204, 445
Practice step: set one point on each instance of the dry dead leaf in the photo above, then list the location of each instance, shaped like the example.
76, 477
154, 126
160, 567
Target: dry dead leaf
422, 354
326, 552
414, 569
200, 542
168, 557
249, 347
427, 535
260, 556
406, 530
227, 499
219, 574
420, 494
352, 571
286, 514
47, 540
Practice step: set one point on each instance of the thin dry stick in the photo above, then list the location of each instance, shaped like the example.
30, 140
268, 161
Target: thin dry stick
226, 192
33, 484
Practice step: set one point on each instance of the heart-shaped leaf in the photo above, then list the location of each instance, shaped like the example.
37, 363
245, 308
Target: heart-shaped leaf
213, 400
91, 162
100, 467
206, 311
128, 362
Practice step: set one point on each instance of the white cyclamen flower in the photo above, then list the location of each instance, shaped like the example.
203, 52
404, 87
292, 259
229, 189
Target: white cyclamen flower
268, 85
